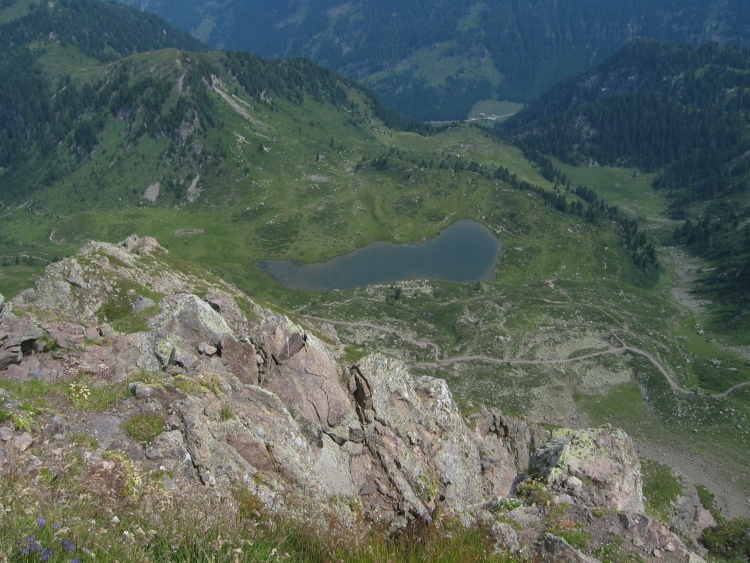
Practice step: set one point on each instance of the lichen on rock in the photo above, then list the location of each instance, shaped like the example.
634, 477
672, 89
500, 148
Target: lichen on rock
256, 401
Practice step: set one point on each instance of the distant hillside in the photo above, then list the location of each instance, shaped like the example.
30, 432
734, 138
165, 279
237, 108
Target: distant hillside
40, 108
675, 109
435, 59
272, 153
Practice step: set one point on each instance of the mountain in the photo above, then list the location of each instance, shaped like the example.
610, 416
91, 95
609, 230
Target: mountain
119, 381
435, 59
230, 160
676, 110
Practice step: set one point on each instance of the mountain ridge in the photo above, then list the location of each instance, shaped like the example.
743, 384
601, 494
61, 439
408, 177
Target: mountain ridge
422, 57
236, 396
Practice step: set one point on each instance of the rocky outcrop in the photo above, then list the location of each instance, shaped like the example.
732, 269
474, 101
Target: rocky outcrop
253, 400
599, 467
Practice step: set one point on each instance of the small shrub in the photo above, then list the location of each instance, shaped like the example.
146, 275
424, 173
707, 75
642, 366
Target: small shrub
428, 485
82, 440
730, 539
4, 415
249, 504
24, 423
86, 395
79, 394
144, 427
506, 504
187, 385
535, 491
226, 414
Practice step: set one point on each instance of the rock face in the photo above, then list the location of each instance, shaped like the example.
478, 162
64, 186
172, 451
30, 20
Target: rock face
251, 399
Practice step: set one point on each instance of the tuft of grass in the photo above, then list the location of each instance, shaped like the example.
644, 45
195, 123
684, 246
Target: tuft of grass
708, 501
144, 427
661, 487
86, 394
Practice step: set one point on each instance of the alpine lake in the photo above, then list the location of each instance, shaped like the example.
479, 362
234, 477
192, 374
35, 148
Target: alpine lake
467, 251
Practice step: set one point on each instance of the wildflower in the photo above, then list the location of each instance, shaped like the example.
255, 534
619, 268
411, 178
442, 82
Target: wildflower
55, 526
41, 522
67, 545
46, 554
115, 520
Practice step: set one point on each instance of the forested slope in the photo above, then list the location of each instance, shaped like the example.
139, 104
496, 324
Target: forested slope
680, 111
434, 59
38, 111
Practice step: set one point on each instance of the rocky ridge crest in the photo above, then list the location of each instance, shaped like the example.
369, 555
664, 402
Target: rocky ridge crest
245, 397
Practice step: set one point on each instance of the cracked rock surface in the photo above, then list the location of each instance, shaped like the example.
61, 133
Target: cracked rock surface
243, 396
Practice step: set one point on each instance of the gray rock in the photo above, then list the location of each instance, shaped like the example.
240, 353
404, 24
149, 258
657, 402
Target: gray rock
23, 441
142, 303
241, 359
6, 433
207, 349
106, 429
554, 549
505, 537
184, 358
6, 309
17, 338
191, 320
604, 457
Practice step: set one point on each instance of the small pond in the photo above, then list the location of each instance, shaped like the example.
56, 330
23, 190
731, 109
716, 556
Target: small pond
464, 252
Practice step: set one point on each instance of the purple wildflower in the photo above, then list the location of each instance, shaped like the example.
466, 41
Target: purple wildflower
55, 526
42, 522
46, 554
67, 545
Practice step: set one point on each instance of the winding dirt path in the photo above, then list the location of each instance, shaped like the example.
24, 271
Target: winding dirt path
622, 349
417, 343
439, 362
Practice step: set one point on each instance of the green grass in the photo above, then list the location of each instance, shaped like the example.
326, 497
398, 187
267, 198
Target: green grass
435, 65
16, 10
708, 501
144, 427
76, 515
627, 188
661, 488
502, 110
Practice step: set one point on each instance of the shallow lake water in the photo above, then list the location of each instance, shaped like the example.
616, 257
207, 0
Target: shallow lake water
464, 252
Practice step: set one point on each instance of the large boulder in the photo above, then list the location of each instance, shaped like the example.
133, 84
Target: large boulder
598, 466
